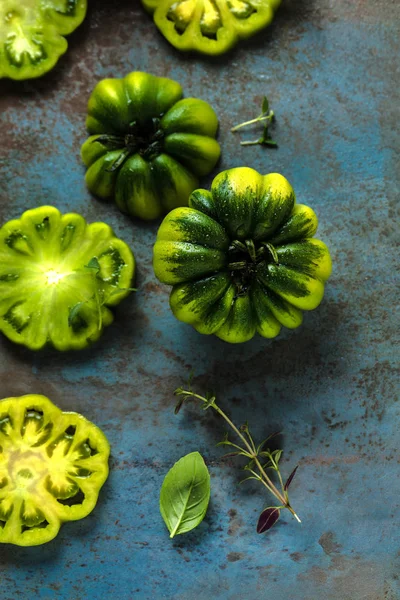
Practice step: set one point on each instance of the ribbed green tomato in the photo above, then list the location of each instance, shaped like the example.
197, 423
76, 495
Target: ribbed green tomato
32, 34
149, 146
242, 258
52, 467
59, 278
210, 26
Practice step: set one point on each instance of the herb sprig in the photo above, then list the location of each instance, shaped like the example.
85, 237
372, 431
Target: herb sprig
94, 268
267, 116
260, 458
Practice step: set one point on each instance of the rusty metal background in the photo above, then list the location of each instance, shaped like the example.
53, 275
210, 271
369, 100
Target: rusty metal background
330, 69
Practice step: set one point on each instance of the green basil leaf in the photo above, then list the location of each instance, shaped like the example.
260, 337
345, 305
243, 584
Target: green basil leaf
185, 494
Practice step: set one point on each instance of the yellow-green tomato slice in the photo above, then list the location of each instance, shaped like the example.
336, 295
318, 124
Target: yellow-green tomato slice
210, 26
59, 278
31, 34
52, 467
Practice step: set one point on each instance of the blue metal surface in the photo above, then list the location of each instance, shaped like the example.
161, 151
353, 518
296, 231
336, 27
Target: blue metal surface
329, 69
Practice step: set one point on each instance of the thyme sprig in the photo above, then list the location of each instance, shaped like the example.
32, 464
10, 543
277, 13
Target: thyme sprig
260, 458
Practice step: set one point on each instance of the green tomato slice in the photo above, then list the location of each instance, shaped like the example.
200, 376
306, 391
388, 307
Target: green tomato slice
52, 467
210, 26
59, 277
31, 34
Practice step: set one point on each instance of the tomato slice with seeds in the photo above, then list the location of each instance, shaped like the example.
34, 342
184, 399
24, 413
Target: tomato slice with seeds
210, 26
59, 278
32, 34
52, 467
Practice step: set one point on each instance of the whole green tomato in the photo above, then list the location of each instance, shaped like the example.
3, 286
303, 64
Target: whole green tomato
149, 147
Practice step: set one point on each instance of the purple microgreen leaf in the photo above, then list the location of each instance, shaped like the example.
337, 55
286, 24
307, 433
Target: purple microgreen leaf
178, 405
290, 478
267, 519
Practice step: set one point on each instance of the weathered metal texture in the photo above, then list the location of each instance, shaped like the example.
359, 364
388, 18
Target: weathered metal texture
329, 69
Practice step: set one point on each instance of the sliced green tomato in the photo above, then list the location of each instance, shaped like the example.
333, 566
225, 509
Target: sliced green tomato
31, 34
210, 26
135, 192
52, 467
197, 152
240, 326
188, 225
58, 276
149, 147
175, 262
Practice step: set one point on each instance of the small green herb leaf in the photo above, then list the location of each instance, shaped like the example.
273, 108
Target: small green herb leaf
265, 105
266, 117
119, 289
251, 477
210, 401
94, 265
275, 457
267, 141
185, 494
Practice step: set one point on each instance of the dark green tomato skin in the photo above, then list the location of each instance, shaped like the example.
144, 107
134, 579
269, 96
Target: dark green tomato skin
242, 258
148, 147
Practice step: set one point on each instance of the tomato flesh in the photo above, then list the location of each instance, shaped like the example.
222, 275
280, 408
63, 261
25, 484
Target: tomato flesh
52, 466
